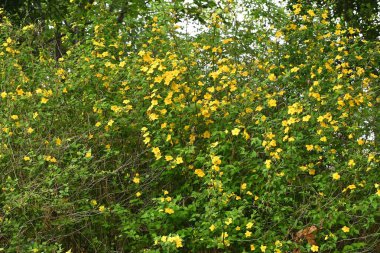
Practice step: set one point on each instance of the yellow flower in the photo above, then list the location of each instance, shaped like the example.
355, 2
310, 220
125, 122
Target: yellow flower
179, 160
168, 158
157, 153
14, 117
314, 248
44, 100
138, 194
272, 77
228, 221
268, 164
30, 130
136, 180
235, 131
110, 122
324, 139
248, 234
311, 13
199, 173
177, 240
213, 145
94, 202
58, 142
249, 225
88, 154
212, 227
351, 163
272, 103
216, 160
371, 157
53, 160
306, 118
294, 70
206, 135
263, 248
116, 108
309, 147
207, 96
320, 118
246, 135
26, 158
169, 210
226, 41
336, 176
252, 247
146, 140
345, 229
224, 235
297, 11
102, 208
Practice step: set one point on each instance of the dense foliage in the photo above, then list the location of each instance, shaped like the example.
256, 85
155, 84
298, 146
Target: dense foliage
361, 14
256, 133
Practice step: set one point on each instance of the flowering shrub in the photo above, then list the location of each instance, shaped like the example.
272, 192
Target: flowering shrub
250, 136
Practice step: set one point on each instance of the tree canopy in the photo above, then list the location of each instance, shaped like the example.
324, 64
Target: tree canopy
361, 14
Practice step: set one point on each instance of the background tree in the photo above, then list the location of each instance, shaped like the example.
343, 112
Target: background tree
361, 14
